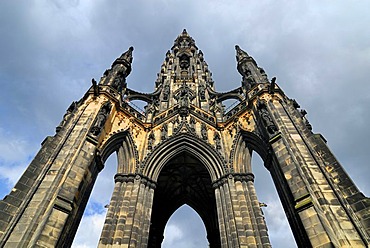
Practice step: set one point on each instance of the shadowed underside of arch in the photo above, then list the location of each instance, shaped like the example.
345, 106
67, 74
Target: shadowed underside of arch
205, 153
184, 180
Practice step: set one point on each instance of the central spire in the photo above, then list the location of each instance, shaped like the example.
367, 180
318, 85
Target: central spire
184, 71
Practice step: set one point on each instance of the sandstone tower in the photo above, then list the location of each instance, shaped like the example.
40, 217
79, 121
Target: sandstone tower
185, 149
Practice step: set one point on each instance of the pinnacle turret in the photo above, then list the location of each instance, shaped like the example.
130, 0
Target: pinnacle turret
184, 68
116, 76
125, 58
248, 68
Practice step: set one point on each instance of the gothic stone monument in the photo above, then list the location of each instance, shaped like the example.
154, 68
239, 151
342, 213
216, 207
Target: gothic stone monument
185, 149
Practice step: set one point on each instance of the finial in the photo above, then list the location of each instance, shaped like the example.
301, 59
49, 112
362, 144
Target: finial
184, 31
125, 58
240, 54
128, 55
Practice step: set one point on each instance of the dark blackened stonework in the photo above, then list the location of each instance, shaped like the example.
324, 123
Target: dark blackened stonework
185, 149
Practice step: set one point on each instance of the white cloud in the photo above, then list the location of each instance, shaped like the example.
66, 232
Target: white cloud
185, 229
172, 235
89, 231
15, 154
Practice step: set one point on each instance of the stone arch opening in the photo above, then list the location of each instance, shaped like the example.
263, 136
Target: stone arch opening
184, 179
177, 232
255, 144
164, 152
116, 156
276, 220
91, 225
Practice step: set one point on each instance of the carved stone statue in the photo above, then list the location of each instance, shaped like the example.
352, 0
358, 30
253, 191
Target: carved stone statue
101, 118
266, 117
204, 132
151, 140
217, 140
202, 92
95, 87
164, 130
184, 97
263, 74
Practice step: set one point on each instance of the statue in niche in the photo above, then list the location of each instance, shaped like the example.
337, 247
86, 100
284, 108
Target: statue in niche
192, 123
248, 80
101, 118
166, 92
119, 82
168, 53
184, 43
266, 117
184, 62
204, 132
164, 130
184, 97
151, 140
202, 92
217, 140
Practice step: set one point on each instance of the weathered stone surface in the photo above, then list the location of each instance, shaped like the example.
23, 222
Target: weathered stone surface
185, 149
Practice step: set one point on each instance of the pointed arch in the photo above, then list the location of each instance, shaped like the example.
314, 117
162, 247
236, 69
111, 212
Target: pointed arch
213, 161
240, 156
255, 143
127, 155
178, 225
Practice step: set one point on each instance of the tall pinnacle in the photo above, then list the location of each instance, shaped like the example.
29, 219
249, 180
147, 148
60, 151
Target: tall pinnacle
125, 58
184, 40
247, 67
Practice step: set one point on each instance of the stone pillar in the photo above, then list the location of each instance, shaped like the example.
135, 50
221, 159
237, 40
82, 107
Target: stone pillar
321, 209
127, 222
50, 213
240, 217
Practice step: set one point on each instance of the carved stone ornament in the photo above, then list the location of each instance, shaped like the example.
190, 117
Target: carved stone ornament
164, 130
100, 119
204, 132
151, 140
95, 87
266, 117
119, 81
217, 140
202, 92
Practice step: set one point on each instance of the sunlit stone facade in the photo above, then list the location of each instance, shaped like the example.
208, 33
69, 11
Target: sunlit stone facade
185, 148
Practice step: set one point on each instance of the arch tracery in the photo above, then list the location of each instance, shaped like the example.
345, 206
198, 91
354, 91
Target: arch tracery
161, 154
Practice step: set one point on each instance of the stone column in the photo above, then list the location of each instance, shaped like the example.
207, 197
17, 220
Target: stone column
240, 217
313, 196
128, 219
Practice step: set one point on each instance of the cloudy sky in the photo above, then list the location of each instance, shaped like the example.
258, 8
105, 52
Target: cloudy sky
49, 51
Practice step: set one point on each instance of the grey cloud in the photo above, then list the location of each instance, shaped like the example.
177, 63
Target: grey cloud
319, 52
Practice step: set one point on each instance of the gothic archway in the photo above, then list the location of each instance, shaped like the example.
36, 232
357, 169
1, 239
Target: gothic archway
184, 180
184, 168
